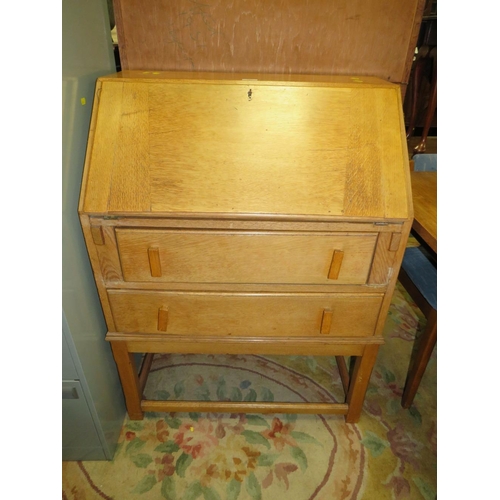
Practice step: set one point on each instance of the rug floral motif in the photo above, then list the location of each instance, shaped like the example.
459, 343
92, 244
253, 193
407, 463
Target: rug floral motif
389, 454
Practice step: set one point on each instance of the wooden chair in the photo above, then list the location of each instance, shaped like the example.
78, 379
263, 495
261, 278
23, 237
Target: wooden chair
419, 277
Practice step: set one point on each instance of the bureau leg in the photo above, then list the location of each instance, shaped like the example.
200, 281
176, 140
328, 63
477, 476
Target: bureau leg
359, 380
129, 379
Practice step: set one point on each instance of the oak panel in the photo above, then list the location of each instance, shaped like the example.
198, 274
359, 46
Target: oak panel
240, 148
130, 180
375, 183
244, 407
101, 151
262, 224
381, 270
172, 145
109, 260
243, 257
288, 346
232, 314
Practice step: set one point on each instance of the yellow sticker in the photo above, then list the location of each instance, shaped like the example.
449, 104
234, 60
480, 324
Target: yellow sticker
156, 72
83, 101
191, 428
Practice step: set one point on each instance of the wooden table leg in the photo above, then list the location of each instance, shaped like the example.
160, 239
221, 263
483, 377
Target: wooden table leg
359, 382
129, 378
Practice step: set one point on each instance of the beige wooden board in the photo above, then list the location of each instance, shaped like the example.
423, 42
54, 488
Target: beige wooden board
321, 345
283, 151
248, 225
375, 37
244, 257
288, 150
392, 144
244, 407
102, 147
247, 287
382, 261
292, 79
397, 258
109, 260
375, 180
96, 269
199, 314
130, 181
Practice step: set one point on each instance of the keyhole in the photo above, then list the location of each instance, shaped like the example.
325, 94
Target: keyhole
249, 93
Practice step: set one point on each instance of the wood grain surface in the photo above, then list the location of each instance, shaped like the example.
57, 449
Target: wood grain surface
355, 37
238, 314
224, 213
424, 188
244, 257
297, 150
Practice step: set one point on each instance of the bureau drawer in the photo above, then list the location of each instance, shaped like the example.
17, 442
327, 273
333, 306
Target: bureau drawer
244, 257
243, 314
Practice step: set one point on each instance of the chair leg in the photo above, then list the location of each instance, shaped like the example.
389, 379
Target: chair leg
419, 363
416, 81
431, 107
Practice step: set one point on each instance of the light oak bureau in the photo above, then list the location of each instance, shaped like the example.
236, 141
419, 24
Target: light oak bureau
237, 213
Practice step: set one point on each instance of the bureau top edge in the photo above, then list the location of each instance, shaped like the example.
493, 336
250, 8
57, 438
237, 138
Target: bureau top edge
204, 77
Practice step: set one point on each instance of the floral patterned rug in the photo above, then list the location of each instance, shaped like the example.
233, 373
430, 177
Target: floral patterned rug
389, 454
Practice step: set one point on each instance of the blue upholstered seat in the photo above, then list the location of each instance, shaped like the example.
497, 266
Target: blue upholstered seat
423, 274
425, 162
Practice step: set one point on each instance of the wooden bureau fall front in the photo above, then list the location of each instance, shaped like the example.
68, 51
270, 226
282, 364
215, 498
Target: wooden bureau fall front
228, 213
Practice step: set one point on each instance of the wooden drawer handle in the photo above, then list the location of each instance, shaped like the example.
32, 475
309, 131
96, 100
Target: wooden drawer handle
338, 256
154, 261
326, 321
162, 319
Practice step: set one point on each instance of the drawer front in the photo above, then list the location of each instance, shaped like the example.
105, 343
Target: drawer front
241, 314
244, 257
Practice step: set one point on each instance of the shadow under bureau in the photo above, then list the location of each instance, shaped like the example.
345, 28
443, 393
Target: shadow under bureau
228, 213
